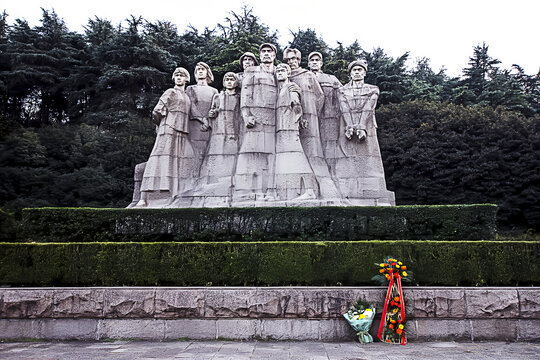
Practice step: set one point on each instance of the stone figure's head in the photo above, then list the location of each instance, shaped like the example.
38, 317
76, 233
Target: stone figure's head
230, 80
358, 70
180, 76
292, 57
315, 61
248, 59
283, 71
202, 71
267, 53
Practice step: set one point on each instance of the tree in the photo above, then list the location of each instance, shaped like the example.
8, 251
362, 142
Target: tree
388, 74
340, 57
481, 65
307, 41
240, 32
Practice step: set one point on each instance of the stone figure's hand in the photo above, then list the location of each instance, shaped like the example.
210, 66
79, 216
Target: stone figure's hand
349, 132
250, 122
303, 124
362, 134
157, 117
205, 125
213, 113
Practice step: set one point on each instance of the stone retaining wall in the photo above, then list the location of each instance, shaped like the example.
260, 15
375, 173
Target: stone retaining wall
299, 313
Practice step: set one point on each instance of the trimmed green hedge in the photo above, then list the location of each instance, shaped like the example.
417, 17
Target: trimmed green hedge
433, 222
450, 263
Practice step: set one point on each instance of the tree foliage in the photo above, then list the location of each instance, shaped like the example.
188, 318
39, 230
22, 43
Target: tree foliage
75, 111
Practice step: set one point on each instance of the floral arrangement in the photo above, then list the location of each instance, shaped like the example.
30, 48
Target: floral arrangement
393, 324
360, 317
390, 267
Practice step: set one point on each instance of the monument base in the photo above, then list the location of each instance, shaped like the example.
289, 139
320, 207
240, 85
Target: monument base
270, 313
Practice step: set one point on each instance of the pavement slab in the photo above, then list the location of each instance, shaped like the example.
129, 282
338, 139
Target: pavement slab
272, 350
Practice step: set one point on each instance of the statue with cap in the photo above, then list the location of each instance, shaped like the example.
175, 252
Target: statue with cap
310, 137
329, 116
247, 60
254, 175
360, 173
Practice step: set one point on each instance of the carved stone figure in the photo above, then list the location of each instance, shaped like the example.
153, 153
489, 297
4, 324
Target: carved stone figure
294, 178
361, 173
217, 170
329, 116
254, 178
265, 147
170, 168
201, 96
312, 102
247, 60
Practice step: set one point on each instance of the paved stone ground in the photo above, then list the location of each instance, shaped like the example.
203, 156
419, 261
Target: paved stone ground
202, 350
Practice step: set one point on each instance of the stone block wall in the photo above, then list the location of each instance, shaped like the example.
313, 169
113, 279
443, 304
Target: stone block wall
282, 313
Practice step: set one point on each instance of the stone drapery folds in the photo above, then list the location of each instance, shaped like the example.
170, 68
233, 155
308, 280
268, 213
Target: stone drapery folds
275, 136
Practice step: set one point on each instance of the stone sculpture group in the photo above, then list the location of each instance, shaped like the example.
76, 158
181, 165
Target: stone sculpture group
275, 136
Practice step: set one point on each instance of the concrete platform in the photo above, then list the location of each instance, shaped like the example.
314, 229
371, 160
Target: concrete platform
202, 350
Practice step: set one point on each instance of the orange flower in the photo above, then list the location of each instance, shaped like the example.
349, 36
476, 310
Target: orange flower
388, 276
392, 321
396, 299
399, 331
381, 271
388, 340
390, 326
403, 267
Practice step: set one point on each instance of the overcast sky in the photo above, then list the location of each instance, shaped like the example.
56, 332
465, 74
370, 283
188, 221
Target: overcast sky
444, 31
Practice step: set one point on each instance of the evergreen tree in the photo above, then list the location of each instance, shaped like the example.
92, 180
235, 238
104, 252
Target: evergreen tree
340, 58
240, 32
481, 65
307, 41
388, 74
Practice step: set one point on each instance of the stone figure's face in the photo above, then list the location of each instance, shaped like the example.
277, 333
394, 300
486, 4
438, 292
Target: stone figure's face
247, 62
358, 73
180, 79
201, 72
315, 63
282, 74
229, 82
292, 60
267, 55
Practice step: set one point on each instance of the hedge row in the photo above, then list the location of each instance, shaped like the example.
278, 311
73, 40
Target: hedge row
433, 222
446, 263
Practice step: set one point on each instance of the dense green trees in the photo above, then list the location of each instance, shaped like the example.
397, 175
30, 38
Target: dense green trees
75, 109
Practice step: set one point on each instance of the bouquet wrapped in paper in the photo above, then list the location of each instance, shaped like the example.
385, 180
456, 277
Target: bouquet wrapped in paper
360, 317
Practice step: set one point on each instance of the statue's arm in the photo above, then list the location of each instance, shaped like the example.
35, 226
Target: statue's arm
296, 104
214, 108
160, 110
246, 99
346, 114
319, 95
368, 111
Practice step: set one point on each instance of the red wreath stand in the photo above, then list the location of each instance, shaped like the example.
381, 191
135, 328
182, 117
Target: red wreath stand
392, 318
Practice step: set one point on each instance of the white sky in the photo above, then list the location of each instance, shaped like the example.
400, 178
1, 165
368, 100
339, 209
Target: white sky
444, 31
